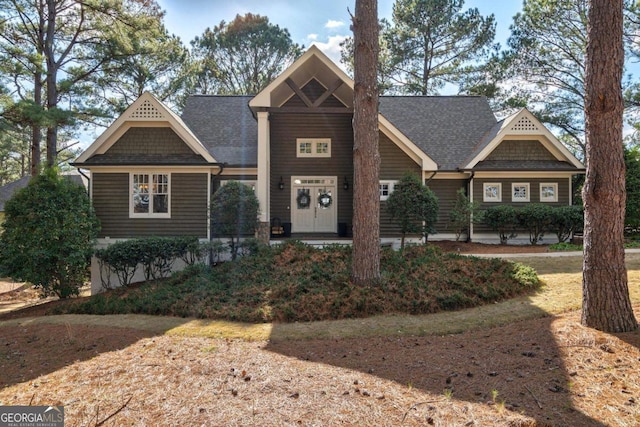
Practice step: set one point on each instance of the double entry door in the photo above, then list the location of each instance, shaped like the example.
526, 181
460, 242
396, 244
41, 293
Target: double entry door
314, 205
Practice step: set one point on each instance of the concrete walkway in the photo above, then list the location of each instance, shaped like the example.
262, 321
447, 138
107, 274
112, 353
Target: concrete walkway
544, 254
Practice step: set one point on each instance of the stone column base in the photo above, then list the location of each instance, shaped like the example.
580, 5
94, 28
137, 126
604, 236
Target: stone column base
263, 233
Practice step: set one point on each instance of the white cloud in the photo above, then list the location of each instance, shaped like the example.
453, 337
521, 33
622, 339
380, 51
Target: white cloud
333, 24
312, 36
332, 48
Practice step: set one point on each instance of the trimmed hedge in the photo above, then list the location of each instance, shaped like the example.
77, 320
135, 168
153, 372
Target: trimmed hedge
155, 255
536, 219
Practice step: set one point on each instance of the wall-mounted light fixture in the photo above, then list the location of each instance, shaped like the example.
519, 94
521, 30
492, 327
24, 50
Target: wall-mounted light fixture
345, 185
281, 184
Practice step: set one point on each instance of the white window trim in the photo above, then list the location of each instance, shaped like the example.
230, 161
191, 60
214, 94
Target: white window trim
314, 144
521, 184
555, 192
149, 214
496, 199
391, 183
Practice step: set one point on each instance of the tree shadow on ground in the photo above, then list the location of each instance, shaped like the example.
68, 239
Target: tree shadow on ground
28, 351
516, 368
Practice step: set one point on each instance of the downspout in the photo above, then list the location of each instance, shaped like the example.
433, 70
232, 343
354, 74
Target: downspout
88, 182
221, 167
470, 193
431, 177
427, 182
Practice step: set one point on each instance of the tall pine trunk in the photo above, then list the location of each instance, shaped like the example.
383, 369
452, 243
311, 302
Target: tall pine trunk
52, 83
605, 300
36, 130
366, 158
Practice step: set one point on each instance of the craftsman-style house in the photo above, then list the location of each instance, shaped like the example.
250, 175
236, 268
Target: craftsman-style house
153, 172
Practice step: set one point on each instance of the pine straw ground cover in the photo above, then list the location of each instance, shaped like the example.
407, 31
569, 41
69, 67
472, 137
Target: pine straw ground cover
543, 372
297, 282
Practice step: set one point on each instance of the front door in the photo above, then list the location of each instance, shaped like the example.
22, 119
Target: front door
313, 205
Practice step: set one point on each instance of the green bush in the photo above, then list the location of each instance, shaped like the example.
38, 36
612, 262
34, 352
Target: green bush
217, 249
121, 258
564, 247
503, 219
535, 218
464, 210
234, 213
413, 206
49, 233
156, 256
632, 184
566, 220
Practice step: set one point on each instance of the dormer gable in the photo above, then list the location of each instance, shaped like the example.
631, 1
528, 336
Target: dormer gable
521, 132
146, 112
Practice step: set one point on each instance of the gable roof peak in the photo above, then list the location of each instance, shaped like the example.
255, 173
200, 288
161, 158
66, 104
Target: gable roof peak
313, 64
147, 108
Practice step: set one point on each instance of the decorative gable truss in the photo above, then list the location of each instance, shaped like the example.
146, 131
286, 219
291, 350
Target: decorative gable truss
524, 132
146, 112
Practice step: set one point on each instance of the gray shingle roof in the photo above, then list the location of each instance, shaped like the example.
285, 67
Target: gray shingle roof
7, 190
446, 128
148, 159
449, 129
524, 165
225, 126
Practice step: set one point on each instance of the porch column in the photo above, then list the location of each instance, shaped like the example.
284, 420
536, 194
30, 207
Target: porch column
264, 172
470, 236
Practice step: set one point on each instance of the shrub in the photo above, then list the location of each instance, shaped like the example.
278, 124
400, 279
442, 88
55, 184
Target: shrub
49, 232
217, 249
234, 213
503, 220
250, 247
413, 206
121, 258
565, 220
464, 210
535, 218
632, 184
156, 256
191, 250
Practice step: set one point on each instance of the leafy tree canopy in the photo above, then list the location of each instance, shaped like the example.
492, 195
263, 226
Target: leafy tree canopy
430, 44
242, 56
543, 67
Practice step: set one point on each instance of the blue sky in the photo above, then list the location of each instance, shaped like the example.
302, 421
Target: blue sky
322, 22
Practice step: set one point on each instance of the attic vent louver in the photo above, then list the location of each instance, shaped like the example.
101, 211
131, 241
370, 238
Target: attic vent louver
146, 111
524, 124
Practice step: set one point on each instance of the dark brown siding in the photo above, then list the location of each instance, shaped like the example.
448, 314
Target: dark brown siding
445, 190
394, 163
150, 141
520, 150
188, 207
534, 188
285, 129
